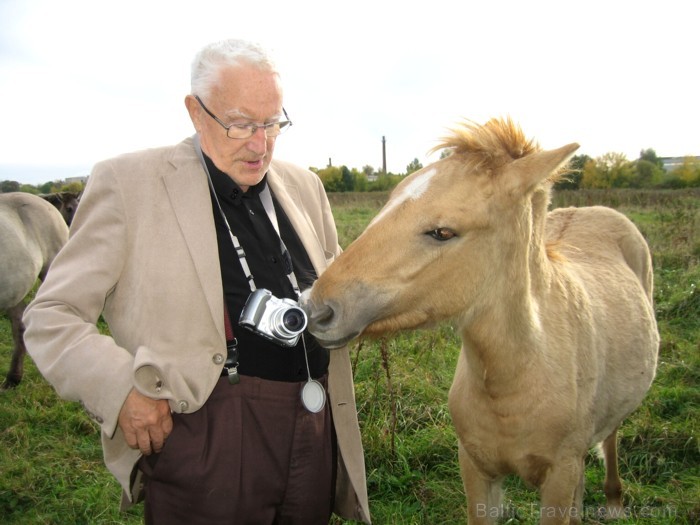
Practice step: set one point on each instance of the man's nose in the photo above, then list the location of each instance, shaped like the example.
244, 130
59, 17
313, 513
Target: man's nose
258, 141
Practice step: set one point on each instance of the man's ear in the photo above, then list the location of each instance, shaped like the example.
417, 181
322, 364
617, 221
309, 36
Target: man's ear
194, 110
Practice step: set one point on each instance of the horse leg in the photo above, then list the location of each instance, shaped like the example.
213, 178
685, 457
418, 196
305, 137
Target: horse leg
559, 492
14, 375
483, 494
578, 495
613, 484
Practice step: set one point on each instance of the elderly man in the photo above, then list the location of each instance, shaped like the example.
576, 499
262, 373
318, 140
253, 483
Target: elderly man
215, 405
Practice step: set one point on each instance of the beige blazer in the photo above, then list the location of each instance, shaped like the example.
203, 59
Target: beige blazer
143, 253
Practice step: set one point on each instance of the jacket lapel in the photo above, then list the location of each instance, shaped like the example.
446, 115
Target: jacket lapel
188, 191
289, 198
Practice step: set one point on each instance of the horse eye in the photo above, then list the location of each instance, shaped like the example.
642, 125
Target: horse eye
442, 234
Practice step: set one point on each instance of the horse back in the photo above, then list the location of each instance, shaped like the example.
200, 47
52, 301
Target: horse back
32, 231
597, 235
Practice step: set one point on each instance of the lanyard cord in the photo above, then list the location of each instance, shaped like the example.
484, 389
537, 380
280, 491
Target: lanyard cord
266, 199
315, 391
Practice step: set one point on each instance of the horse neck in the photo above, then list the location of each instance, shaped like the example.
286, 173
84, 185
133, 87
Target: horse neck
538, 262
506, 332
503, 334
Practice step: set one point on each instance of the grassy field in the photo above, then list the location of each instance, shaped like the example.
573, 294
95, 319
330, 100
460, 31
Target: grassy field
51, 469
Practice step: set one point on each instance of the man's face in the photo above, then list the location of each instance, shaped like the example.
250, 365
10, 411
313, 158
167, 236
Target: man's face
243, 95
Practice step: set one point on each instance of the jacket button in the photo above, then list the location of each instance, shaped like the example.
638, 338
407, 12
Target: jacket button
218, 359
183, 405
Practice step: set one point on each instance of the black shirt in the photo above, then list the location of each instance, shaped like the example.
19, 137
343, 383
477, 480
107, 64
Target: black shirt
257, 236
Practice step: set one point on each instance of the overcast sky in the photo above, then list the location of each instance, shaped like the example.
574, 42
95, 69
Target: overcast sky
84, 80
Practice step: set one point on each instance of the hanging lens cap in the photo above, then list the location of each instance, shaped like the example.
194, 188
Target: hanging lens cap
313, 396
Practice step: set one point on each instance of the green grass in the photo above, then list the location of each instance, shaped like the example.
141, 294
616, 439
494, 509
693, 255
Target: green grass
51, 469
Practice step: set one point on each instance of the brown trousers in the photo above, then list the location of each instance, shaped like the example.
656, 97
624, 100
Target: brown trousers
251, 455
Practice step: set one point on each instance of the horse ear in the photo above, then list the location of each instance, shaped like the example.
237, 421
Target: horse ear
53, 198
529, 171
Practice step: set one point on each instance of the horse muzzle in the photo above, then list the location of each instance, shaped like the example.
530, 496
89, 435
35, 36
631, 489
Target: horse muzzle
327, 324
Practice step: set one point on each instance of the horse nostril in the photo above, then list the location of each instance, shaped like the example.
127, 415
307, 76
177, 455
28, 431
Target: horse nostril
322, 315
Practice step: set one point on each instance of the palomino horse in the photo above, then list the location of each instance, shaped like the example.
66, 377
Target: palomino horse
32, 231
559, 339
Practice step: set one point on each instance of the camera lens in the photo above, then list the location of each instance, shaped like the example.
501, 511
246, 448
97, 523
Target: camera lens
294, 320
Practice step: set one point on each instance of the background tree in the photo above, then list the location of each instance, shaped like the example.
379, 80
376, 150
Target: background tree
688, 173
368, 171
611, 170
647, 174
28, 188
347, 180
47, 187
361, 183
8, 186
385, 182
73, 187
413, 166
331, 178
572, 180
649, 155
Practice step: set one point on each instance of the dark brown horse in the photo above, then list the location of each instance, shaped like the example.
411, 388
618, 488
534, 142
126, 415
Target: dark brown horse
66, 202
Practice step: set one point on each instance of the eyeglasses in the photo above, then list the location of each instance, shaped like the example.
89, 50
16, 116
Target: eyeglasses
245, 131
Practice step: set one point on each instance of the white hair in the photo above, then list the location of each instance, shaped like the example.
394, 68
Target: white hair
207, 64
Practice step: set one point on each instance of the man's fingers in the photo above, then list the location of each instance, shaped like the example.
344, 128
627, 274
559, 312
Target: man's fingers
146, 422
144, 442
157, 439
131, 440
168, 424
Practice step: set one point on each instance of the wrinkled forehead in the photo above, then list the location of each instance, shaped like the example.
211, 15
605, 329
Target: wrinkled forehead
412, 188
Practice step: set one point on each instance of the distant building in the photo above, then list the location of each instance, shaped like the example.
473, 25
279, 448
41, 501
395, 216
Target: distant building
671, 163
83, 179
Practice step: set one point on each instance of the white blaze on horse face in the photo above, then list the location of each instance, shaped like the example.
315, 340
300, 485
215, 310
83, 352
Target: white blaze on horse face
412, 191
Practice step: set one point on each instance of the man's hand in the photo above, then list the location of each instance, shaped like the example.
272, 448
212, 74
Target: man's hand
145, 422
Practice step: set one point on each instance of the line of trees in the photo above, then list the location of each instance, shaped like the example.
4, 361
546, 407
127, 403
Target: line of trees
342, 178
9, 186
611, 170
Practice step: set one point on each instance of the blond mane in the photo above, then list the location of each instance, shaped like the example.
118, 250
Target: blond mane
493, 144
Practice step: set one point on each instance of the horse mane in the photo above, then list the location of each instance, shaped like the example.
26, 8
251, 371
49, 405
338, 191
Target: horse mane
491, 145
496, 143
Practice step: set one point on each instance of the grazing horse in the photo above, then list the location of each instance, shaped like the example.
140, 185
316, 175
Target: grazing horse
66, 202
554, 310
32, 231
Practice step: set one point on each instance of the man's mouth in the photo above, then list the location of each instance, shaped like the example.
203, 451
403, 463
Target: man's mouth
254, 164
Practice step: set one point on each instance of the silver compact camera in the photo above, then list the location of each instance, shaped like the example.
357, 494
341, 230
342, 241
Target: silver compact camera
279, 320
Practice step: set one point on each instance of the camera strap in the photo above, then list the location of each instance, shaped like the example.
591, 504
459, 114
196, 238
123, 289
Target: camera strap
266, 199
231, 363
